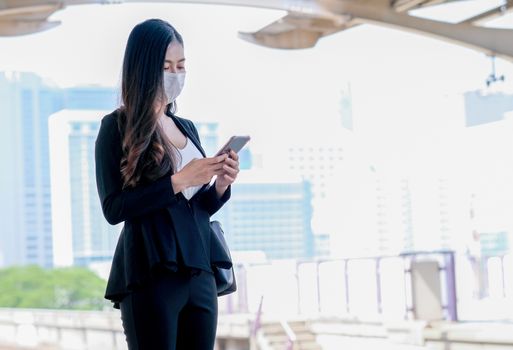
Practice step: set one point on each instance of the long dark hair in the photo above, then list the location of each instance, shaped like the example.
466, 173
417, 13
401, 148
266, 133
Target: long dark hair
147, 154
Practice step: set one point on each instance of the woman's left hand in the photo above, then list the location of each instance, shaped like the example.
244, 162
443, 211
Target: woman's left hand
230, 171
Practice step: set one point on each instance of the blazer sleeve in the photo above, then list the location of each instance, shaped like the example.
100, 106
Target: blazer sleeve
209, 199
119, 205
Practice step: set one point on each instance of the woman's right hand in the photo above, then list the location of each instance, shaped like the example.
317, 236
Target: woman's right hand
198, 172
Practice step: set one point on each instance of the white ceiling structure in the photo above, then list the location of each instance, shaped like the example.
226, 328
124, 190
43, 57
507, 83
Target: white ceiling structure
305, 23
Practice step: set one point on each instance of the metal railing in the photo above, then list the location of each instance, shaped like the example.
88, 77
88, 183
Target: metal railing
306, 284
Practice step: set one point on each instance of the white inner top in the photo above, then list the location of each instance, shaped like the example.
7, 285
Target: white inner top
188, 153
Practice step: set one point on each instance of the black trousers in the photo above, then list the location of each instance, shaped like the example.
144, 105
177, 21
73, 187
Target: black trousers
174, 311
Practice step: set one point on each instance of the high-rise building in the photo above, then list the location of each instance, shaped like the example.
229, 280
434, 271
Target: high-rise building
439, 212
81, 235
382, 214
394, 224
316, 164
366, 213
269, 213
320, 164
90, 97
26, 102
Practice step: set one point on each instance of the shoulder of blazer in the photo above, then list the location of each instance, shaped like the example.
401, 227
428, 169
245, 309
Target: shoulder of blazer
111, 121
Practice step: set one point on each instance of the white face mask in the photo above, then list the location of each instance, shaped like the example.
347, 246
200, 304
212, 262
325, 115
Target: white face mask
173, 85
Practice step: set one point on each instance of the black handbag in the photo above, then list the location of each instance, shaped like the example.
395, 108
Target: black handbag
224, 275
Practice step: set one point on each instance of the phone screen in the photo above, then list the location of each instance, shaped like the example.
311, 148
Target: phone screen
235, 143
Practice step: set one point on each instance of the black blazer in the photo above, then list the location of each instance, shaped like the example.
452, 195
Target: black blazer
160, 227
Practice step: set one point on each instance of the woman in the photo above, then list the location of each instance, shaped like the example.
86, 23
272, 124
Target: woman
153, 174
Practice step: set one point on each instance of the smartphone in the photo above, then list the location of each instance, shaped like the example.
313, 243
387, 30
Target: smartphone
235, 143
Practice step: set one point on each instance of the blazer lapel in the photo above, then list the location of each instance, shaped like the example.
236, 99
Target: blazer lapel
185, 130
190, 134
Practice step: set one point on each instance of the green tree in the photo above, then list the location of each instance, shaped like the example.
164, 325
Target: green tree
62, 288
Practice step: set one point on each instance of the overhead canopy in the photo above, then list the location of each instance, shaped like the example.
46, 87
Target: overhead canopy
306, 21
